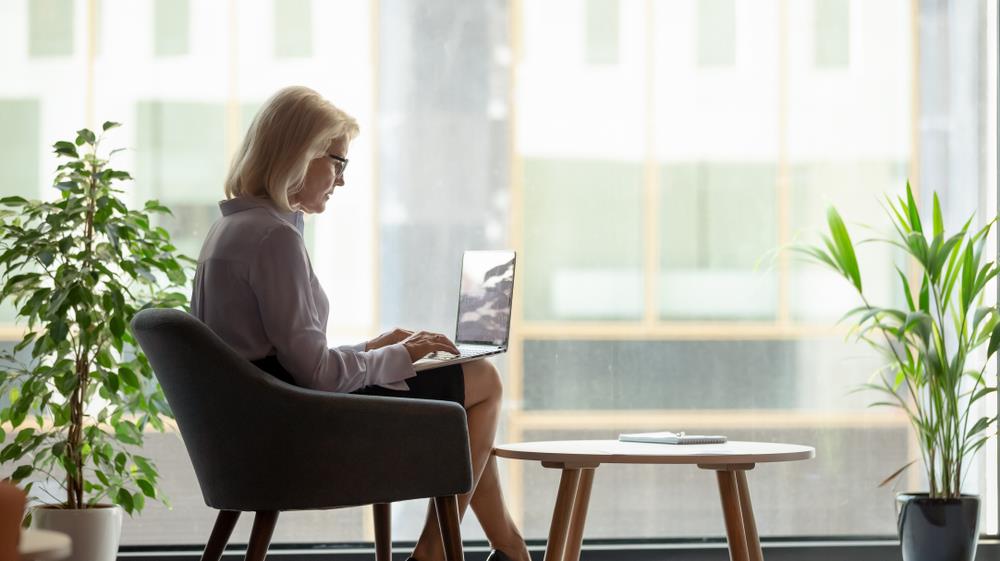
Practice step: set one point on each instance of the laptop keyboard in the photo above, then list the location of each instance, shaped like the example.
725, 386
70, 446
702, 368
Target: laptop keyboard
464, 352
472, 351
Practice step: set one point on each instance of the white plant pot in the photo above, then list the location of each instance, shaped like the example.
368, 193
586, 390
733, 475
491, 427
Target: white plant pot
95, 532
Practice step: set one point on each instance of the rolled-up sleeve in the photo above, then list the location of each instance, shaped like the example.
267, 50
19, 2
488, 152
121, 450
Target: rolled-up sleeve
281, 280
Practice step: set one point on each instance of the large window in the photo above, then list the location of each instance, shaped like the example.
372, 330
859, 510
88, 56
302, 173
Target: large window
647, 159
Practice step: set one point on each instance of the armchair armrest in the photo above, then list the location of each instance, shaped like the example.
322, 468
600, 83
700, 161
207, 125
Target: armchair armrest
317, 449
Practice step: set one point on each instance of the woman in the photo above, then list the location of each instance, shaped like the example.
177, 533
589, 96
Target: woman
255, 287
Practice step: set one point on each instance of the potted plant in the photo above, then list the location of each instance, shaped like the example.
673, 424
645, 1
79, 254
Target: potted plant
81, 394
935, 369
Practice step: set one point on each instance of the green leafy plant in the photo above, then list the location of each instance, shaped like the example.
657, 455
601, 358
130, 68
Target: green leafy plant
77, 269
929, 343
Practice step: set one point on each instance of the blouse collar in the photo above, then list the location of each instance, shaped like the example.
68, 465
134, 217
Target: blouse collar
239, 204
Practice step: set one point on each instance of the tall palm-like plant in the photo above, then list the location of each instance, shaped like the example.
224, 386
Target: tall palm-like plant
930, 343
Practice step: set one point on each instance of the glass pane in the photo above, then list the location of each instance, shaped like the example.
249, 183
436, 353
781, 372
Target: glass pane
582, 175
850, 141
716, 33
718, 165
855, 188
20, 160
581, 265
172, 28
181, 150
657, 375
180, 161
718, 225
602, 31
50, 28
19, 147
832, 26
293, 28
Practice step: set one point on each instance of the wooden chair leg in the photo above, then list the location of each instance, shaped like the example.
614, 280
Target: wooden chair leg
448, 521
383, 531
260, 535
224, 524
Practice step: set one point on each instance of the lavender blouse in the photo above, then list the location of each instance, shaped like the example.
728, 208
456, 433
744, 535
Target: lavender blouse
256, 289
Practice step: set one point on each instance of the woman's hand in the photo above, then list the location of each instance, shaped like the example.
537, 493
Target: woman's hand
387, 338
422, 343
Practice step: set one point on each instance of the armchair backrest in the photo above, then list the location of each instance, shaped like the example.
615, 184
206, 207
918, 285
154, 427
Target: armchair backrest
214, 393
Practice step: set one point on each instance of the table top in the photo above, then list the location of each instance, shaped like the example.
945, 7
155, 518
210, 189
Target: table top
615, 452
42, 545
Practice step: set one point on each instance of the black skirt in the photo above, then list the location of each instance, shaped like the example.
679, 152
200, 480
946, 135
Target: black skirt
446, 383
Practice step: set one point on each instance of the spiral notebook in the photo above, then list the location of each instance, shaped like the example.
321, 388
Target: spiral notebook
667, 437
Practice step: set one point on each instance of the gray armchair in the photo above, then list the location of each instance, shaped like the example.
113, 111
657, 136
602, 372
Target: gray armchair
259, 444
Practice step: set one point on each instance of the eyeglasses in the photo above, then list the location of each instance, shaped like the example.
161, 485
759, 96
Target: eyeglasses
339, 164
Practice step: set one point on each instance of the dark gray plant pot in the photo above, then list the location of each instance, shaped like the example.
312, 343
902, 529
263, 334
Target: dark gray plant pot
938, 529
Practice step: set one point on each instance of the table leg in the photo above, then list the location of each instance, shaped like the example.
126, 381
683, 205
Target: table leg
575, 538
735, 534
749, 523
562, 514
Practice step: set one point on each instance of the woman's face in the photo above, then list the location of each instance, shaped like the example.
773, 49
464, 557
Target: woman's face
322, 176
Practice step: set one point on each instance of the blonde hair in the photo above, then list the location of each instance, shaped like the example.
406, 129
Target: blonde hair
293, 127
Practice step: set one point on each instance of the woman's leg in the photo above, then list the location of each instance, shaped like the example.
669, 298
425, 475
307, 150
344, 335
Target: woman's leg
483, 393
488, 504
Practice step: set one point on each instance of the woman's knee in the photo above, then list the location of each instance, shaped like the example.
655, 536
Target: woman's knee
482, 382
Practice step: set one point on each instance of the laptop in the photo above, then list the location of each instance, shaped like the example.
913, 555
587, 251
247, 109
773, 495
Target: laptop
482, 327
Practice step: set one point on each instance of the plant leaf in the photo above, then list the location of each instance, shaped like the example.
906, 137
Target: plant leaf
983, 392
147, 488
906, 289
938, 219
911, 210
897, 473
22, 472
124, 499
844, 249
85, 136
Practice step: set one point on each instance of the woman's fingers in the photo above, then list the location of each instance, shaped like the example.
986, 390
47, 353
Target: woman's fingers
422, 343
388, 338
442, 343
447, 345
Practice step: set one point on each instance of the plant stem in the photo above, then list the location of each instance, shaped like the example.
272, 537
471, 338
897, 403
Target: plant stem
74, 485
74, 476
921, 417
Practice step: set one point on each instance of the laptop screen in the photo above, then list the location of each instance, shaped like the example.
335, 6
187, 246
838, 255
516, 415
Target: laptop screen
485, 297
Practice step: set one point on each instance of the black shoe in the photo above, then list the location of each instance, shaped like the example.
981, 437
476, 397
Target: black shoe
497, 555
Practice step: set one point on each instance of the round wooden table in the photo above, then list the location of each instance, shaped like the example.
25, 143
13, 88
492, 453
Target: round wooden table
579, 458
43, 545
